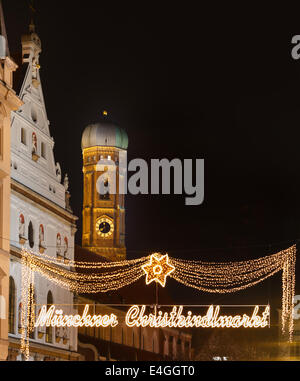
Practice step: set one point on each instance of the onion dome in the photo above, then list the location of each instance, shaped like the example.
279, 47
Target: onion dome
104, 133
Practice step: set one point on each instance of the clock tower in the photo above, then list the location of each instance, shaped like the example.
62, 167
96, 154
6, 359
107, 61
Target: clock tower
104, 149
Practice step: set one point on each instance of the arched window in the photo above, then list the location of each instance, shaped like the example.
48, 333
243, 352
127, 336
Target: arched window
43, 150
102, 195
30, 235
49, 330
23, 136
20, 318
34, 114
12, 305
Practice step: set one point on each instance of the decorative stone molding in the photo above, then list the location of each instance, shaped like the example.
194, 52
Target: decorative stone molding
60, 257
22, 240
35, 157
66, 261
42, 247
35, 83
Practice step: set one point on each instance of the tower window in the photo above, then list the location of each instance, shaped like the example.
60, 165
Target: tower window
23, 136
106, 195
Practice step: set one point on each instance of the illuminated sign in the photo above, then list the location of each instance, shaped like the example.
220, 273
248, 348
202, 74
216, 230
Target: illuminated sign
54, 318
212, 319
136, 317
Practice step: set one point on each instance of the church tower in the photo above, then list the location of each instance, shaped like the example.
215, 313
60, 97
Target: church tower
104, 149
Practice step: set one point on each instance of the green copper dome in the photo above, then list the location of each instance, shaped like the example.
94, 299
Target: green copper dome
104, 133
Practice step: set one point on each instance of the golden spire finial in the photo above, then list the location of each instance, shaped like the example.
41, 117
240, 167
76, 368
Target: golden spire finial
32, 10
31, 27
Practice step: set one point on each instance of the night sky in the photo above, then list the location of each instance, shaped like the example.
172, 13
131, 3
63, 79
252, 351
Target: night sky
184, 82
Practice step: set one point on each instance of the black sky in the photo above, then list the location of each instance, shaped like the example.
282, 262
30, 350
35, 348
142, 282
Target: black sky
184, 82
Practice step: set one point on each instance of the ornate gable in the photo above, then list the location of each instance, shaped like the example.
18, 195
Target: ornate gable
32, 160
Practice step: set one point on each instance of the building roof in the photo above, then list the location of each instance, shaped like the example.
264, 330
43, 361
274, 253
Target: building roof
104, 133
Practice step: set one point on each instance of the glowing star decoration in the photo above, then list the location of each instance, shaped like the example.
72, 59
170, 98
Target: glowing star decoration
158, 269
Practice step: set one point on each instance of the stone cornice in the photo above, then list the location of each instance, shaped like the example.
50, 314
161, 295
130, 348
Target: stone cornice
43, 202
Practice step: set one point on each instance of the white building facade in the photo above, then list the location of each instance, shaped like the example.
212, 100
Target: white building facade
41, 218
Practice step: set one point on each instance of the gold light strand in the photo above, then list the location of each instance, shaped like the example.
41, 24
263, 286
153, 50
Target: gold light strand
84, 283
235, 276
25, 304
82, 264
225, 277
293, 285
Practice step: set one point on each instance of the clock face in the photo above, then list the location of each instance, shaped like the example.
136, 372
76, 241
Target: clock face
104, 227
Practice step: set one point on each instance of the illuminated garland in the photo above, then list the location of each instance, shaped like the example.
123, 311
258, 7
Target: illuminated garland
27, 320
226, 277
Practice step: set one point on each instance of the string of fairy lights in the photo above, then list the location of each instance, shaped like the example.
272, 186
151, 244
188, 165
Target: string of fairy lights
235, 276
214, 277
